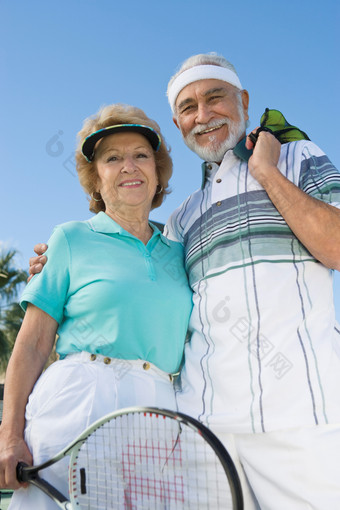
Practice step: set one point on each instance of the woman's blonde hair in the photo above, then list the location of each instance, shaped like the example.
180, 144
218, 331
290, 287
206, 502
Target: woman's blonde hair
112, 115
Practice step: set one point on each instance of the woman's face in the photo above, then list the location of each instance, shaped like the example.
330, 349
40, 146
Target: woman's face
126, 170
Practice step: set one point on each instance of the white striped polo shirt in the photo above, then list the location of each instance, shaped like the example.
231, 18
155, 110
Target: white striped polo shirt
264, 352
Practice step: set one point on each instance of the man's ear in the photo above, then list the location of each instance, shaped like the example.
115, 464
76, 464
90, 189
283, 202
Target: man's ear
175, 122
245, 103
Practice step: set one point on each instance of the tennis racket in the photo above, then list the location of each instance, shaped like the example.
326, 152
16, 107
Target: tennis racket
144, 458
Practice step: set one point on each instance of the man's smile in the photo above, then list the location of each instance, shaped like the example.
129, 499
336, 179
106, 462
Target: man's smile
209, 130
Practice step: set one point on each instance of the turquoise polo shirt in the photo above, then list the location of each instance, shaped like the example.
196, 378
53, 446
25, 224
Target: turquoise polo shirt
113, 295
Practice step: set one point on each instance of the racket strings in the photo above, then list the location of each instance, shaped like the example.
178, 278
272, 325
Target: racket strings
148, 461
155, 457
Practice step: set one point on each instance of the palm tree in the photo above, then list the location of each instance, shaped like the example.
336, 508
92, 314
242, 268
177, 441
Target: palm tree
4, 351
11, 314
10, 276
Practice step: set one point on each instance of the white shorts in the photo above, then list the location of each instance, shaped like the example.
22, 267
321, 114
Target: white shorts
294, 469
69, 396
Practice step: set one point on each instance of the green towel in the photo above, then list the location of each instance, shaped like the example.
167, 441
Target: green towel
274, 122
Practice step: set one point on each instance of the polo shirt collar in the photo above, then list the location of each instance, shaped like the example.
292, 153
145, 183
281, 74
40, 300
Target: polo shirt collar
156, 232
102, 223
209, 168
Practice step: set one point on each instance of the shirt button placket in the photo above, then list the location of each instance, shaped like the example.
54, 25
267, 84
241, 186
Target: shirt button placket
149, 265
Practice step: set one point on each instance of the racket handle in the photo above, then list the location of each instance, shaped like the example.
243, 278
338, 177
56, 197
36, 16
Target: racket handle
22, 475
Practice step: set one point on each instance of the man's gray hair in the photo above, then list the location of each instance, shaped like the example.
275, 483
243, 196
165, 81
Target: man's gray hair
202, 59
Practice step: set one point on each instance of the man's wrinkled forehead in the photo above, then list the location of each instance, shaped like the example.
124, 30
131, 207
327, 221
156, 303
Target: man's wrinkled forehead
202, 89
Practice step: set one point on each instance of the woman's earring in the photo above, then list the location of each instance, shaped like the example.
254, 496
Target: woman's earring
160, 189
96, 199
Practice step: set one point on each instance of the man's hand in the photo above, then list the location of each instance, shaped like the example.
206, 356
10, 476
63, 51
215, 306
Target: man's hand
37, 263
265, 157
315, 223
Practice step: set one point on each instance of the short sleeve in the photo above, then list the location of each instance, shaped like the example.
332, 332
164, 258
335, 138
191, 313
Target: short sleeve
318, 176
172, 229
48, 290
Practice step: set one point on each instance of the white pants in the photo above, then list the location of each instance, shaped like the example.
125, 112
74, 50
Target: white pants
69, 396
294, 469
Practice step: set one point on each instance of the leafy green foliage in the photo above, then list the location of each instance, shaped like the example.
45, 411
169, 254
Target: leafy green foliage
11, 314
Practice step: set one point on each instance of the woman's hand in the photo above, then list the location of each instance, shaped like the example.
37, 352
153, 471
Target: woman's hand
31, 350
12, 451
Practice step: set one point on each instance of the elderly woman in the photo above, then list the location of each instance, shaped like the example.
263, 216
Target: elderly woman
116, 294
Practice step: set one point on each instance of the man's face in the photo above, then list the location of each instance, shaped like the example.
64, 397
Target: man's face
212, 117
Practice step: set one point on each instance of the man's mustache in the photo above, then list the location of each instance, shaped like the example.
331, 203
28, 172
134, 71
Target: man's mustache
213, 124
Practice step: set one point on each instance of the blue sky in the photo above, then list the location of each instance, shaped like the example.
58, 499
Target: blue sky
61, 61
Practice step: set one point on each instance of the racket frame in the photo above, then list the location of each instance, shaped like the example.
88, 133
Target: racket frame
30, 473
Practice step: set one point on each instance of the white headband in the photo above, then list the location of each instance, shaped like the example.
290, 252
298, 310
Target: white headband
201, 72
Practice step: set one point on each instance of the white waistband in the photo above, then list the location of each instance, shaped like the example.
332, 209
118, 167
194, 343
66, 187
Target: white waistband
87, 357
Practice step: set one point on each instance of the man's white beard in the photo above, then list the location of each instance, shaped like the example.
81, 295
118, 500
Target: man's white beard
215, 151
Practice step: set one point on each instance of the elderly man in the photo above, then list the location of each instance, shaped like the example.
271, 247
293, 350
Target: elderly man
262, 367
